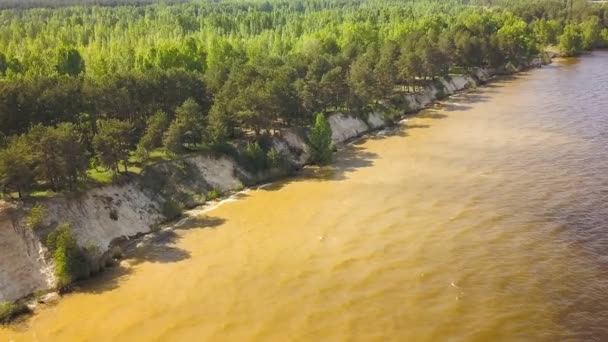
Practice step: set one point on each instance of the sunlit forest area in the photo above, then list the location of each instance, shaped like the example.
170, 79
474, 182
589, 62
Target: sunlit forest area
95, 89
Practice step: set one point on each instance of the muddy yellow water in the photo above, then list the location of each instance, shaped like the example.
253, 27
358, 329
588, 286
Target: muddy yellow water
484, 219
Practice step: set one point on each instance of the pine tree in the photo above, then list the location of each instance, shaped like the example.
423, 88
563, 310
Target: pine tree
320, 140
16, 167
112, 143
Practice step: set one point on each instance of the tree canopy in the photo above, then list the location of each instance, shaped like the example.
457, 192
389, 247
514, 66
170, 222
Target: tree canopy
101, 79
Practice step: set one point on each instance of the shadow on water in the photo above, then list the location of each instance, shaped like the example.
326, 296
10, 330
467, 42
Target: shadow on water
452, 107
349, 159
463, 100
203, 221
159, 247
354, 156
107, 280
478, 95
431, 114
409, 126
460, 102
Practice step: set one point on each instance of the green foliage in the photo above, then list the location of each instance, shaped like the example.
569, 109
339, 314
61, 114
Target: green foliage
8, 311
571, 41
212, 194
320, 141
112, 143
361, 77
515, 41
173, 138
440, 88
103, 82
69, 62
16, 167
70, 260
254, 157
409, 65
35, 217
156, 126
186, 129
385, 70
273, 158
58, 156
604, 37
547, 32
171, 209
590, 32
218, 124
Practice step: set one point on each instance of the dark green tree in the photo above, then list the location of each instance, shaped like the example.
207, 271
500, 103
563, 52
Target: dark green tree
590, 32
321, 144
333, 88
362, 80
571, 41
16, 173
186, 130
112, 143
386, 72
73, 156
3, 64
69, 62
70, 260
46, 155
156, 126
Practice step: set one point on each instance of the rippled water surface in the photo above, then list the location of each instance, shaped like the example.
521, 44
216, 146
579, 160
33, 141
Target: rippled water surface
485, 219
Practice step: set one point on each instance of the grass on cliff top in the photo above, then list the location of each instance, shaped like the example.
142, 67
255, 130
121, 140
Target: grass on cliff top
136, 165
97, 176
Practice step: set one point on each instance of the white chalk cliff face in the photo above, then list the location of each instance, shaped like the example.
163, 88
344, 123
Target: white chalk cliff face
220, 173
345, 127
376, 120
104, 214
23, 268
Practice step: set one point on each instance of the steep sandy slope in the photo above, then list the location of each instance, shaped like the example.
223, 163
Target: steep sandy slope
23, 268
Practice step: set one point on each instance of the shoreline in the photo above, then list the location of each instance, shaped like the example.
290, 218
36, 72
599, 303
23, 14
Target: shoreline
348, 128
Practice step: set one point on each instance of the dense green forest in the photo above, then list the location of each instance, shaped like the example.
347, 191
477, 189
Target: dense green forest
105, 87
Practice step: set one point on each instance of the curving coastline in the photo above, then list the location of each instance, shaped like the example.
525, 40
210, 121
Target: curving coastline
108, 215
